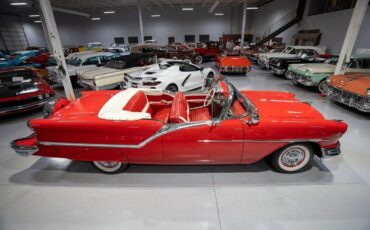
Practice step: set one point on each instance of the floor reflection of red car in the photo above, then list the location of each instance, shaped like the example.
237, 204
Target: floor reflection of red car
233, 63
22, 89
222, 125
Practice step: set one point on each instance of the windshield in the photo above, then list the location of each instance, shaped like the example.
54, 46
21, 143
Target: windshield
74, 61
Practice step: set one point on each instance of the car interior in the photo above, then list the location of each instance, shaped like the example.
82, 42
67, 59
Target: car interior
172, 109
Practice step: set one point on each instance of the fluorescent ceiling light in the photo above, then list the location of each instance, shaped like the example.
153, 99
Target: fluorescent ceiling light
95, 19
18, 3
187, 8
219, 14
38, 21
252, 8
109, 12
33, 15
155, 15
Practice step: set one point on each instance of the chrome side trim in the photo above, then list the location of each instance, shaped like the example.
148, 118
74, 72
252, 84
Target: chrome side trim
166, 129
262, 141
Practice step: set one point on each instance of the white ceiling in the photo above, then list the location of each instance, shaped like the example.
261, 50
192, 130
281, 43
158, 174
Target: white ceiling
93, 6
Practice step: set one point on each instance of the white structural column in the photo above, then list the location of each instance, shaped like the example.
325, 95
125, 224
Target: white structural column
352, 32
243, 22
140, 9
57, 49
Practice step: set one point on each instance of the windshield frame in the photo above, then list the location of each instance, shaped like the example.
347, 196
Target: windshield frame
250, 108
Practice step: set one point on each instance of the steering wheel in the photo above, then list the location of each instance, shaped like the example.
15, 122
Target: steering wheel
209, 97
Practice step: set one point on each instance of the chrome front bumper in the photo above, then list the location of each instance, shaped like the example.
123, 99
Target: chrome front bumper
352, 100
234, 69
20, 108
303, 80
277, 71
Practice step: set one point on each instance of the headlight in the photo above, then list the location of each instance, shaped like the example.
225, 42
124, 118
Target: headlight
307, 73
278, 64
368, 92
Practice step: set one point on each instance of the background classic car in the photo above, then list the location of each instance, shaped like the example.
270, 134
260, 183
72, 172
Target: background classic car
77, 62
288, 52
279, 66
208, 50
350, 89
316, 74
220, 126
171, 75
22, 89
169, 52
111, 75
233, 63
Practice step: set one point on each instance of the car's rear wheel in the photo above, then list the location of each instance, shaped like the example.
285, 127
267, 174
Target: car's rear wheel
172, 88
322, 87
293, 158
110, 167
199, 59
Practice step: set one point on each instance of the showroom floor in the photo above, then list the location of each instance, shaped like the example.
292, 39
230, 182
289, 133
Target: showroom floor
39, 193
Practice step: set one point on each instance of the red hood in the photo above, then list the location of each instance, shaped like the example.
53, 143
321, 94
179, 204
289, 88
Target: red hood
281, 105
235, 61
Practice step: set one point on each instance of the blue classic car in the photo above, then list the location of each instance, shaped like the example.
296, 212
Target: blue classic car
18, 59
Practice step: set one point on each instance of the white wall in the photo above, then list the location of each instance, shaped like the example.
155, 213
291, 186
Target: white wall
77, 30
333, 26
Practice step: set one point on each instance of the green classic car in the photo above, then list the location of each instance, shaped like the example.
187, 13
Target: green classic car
316, 74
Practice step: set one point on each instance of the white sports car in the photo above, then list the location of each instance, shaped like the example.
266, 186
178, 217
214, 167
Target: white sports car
171, 75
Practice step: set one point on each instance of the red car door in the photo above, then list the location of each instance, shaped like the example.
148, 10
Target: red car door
207, 143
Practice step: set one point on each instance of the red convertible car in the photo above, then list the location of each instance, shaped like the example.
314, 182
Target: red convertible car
233, 63
22, 89
115, 128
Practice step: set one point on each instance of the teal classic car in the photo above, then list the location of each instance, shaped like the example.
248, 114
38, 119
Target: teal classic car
316, 74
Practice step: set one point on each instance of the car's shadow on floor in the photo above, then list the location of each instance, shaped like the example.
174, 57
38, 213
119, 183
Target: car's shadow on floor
60, 172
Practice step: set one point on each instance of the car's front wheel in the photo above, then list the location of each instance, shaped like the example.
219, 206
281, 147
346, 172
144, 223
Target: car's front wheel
293, 158
322, 87
110, 167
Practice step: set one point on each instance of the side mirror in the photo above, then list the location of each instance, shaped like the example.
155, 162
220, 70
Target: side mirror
201, 68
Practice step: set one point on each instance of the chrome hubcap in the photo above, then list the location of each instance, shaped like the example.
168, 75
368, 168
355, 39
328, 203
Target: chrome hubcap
293, 157
108, 164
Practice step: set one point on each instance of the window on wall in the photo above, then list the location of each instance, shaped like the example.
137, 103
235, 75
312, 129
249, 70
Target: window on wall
204, 38
133, 40
119, 40
171, 40
189, 38
146, 38
326, 6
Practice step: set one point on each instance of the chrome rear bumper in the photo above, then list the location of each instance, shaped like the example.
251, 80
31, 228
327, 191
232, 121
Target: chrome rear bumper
327, 153
24, 151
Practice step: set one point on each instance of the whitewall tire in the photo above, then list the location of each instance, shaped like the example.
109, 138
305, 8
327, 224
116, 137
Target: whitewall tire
293, 158
110, 167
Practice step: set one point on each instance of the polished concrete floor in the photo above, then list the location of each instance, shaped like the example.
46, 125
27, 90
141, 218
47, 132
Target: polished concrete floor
39, 193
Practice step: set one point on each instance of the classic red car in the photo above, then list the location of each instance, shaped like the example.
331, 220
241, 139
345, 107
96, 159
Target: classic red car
233, 63
115, 128
22, 89
208, 50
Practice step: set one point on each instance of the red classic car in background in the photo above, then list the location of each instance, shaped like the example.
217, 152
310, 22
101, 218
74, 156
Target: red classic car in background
208, 50
22, 89
115, 128
233, 63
